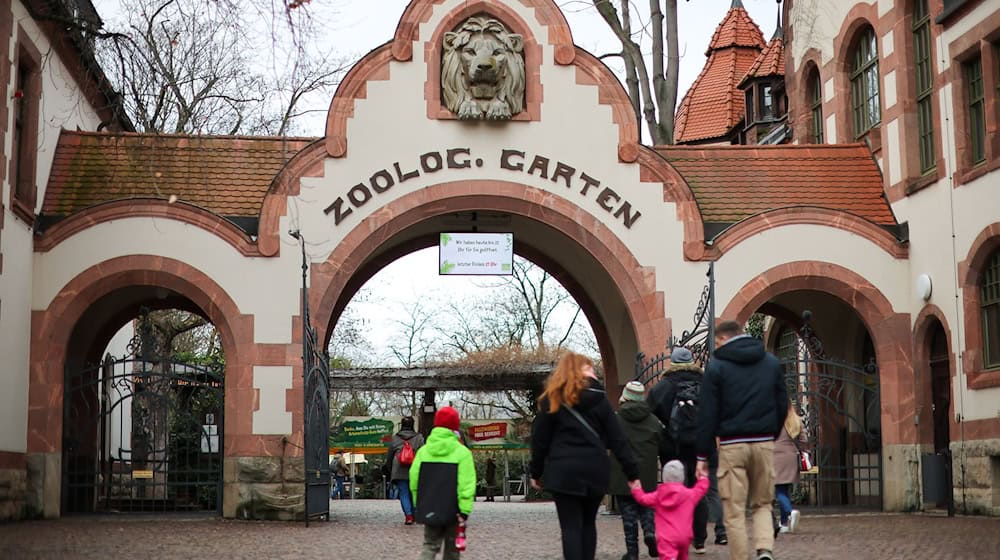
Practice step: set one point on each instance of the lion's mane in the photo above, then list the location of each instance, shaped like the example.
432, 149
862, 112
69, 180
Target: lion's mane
454, 88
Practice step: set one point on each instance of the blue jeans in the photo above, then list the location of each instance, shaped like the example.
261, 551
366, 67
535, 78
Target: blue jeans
405, 499
338, 488
784, 494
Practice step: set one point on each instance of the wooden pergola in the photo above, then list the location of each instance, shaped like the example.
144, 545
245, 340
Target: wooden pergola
443, 378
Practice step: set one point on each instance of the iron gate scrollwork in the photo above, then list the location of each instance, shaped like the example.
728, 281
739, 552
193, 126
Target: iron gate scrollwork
841, 414
143, 434
700, 340
316, 409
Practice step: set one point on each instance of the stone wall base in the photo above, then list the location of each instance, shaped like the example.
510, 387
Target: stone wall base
14, 495
976, 468
901, 477
44, 484
263, 488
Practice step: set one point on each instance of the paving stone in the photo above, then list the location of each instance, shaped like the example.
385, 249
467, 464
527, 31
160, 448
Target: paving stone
366, 529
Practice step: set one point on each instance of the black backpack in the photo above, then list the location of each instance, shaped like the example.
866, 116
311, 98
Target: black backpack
683, 424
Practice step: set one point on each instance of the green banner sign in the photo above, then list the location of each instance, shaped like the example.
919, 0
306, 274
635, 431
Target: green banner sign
362, 432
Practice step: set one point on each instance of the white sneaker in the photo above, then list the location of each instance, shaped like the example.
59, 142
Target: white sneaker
784, 529
793, 520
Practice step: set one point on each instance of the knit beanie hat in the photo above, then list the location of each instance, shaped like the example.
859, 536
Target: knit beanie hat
681, 355
633, 391
406, 422
446, 417
673, 471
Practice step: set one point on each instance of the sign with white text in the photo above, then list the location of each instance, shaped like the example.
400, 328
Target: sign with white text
480, 254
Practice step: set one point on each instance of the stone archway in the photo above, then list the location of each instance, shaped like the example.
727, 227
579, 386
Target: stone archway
890, 333
633, 321
57, 341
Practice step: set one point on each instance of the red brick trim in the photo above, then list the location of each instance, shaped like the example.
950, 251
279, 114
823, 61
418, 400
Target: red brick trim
147, 208
636, 284
591, 71
922, 372
764, 221
307, 163
52, 329
890, 331
12, 460
969, 271
654, 168
373, 67
798, 89
6, 35
546, 13
24, 208
532, 59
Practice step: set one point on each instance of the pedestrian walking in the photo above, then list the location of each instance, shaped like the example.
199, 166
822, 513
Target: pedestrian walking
743, 403
786, 467
675, 401
714, 502
490, 479
674, 504
570, 437
443, 484
645, 437
338, 468
402, 450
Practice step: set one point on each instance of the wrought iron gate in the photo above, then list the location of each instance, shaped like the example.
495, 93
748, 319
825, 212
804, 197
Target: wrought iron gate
317, 427
316, 408
143, 435
841, 412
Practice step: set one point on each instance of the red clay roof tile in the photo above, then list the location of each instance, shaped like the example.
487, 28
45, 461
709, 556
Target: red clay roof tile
714, 103
732, 183
227, 175
770, 62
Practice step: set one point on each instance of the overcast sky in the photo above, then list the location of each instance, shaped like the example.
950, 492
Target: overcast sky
358, 26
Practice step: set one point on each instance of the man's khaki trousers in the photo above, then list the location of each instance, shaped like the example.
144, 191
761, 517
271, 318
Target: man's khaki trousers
746, 472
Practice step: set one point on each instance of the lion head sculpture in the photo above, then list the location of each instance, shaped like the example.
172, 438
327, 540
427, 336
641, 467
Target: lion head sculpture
482, 70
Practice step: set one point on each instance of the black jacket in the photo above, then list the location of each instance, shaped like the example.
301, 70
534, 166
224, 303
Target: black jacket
743, 395
661, 401
567, 457
645, 437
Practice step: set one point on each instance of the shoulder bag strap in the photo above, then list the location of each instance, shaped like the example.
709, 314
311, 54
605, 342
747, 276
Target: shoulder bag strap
586, 424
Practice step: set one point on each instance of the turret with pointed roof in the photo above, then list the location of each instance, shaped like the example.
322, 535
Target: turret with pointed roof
712, 109
766, 109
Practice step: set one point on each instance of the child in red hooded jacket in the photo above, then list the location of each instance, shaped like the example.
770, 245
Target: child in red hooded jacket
673, 504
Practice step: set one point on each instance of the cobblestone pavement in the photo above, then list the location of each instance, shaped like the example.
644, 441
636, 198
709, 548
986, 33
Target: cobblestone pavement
370, 529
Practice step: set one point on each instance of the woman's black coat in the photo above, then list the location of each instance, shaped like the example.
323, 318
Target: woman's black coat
568, 458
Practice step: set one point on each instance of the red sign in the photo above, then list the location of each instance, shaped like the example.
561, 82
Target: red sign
496, 430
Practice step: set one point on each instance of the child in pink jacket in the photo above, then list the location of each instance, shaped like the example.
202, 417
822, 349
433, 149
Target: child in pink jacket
674, 505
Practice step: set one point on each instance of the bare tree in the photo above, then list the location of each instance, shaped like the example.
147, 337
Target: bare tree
414, 346
195, 67
653, 92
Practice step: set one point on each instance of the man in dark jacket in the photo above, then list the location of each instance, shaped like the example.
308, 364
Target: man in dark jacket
645, 436
743, 403
679, 440
399, 473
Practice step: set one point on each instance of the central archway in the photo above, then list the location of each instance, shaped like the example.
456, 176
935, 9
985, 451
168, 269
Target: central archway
616, 293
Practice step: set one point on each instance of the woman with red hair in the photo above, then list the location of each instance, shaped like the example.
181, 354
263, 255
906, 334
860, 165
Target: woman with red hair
573, 430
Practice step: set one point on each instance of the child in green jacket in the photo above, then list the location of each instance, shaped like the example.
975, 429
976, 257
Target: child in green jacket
443, 484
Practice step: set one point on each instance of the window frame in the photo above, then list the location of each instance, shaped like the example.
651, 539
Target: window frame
816, 106
26, 106
866, 105
989, 308
923, 65
975, 107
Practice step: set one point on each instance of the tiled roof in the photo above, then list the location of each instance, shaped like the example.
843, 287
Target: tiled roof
732, 183
714, 103
770, 62
227, 175
736, 30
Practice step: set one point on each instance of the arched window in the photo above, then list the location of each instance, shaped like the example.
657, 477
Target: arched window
989, 301
864, 83
815, 93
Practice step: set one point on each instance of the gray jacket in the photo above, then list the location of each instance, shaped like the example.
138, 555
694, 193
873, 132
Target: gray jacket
402, 472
